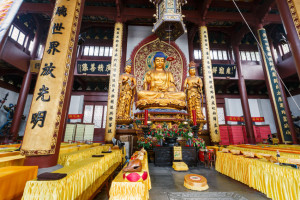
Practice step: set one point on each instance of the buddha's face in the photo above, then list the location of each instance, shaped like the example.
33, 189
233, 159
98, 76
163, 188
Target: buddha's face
192, 71
159, 62
128, 69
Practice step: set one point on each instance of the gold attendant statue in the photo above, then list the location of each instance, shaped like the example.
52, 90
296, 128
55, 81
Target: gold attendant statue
127, 91
193, 88
159, 88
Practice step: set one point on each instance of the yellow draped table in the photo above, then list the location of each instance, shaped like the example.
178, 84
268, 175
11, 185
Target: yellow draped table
83, 179
283, 155
125, 190
277, 182
7, 149
13, 180
6, 154
17, 160
72, 157
281, 149
10, 145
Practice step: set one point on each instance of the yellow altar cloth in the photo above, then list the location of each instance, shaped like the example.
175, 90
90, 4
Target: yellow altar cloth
6, 154
283, 155
6, 149
13, 180
180, 166
277, 182
10, 145
68, 150
284, 150
68, 159
17, 160
83, 179
124, 190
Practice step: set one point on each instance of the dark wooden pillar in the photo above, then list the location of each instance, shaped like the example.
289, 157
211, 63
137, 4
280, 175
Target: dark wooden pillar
244, 96
124, 49
20, 105
290, 28
24, 89
285, 101
51, 160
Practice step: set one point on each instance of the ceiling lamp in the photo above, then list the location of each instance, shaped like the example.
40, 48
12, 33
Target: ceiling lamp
169, 20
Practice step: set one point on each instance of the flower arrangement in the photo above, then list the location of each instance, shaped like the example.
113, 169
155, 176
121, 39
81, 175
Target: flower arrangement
199, 143
147, 143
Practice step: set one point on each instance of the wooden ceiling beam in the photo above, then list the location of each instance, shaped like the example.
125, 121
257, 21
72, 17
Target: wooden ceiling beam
36, 8
226, 4
236, 38
132, 13
263, 11
204, 8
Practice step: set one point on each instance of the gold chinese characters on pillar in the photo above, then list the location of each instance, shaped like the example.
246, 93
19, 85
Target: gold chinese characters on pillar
110, 129
48, 99
273, 81
211, 103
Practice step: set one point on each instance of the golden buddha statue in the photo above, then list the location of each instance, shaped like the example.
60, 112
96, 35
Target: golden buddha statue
159, 88
127, 91
194, 95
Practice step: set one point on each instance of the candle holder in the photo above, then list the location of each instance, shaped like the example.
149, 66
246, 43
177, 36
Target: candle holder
146, 129
195, 130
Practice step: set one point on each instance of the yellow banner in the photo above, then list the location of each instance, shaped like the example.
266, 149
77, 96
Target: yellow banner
110, 130
46, 108
177, 153
211, 103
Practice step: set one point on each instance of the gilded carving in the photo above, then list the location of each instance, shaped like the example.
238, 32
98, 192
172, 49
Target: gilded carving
194, 96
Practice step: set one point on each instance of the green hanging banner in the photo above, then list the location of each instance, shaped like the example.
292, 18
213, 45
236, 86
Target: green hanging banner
275, 90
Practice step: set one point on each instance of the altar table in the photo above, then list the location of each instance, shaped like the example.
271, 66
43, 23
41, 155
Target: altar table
72, 157
17, 160
13, 180
83, 179
284, 156
125, 190
6, 154
277, 182
164, 156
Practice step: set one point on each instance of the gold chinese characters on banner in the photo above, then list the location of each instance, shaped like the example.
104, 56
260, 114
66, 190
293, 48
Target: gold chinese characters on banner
110, 129
46, 108
211, 103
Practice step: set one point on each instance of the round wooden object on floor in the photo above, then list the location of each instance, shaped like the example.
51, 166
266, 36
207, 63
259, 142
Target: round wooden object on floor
195, 182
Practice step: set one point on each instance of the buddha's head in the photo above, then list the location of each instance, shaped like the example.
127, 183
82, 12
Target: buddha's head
192, 69
159, 60
128, 69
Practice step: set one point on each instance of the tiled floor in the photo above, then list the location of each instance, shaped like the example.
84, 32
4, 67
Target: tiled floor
165, 179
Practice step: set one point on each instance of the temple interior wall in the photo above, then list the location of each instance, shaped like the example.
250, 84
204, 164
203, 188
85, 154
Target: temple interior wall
258, 108
293, 107
76, 106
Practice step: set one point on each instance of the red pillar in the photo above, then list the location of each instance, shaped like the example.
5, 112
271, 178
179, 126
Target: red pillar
20, 105
244, 96
51, 160
24, 90
290, 28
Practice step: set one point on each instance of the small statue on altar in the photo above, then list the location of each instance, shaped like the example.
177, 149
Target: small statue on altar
127, 91
194, 95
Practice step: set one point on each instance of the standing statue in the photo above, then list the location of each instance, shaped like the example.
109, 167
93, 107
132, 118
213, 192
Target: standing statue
194, 96
127, 91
